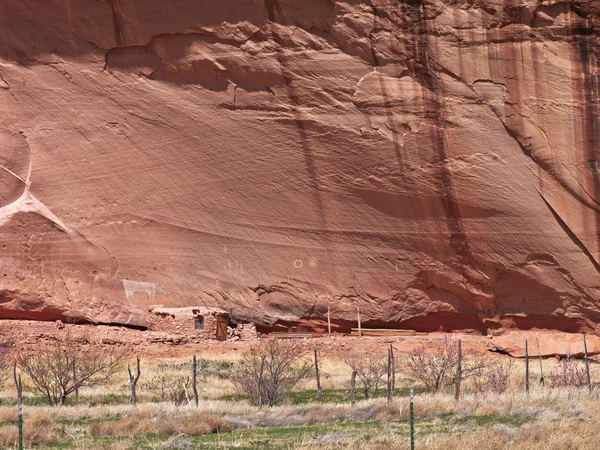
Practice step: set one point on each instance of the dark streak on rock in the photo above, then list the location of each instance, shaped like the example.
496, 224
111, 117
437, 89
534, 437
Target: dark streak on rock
587, 81
386, 98
117, 25
423, 71
572, 235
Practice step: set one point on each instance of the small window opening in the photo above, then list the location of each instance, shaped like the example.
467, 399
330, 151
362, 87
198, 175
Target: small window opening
199, 323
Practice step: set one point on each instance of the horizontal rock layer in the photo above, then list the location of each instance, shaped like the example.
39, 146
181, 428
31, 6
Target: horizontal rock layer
432, 163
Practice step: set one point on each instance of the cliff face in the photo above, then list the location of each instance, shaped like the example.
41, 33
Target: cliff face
435, 163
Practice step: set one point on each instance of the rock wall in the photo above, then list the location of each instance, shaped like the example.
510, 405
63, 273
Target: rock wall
182, 325
434, 163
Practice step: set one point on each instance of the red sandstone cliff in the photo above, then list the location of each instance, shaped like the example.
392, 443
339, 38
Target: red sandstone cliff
433, 162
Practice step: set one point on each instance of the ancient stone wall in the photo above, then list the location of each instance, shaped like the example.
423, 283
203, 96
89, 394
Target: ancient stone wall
182, 325
243, 332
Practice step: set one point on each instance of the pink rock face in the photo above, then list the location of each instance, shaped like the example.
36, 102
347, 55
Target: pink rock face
432, 163
550, 344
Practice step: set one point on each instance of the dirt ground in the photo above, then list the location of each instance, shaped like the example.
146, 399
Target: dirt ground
27, 334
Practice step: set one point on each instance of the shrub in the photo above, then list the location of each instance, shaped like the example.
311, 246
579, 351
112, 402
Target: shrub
192, 425
170, 387
369, 370
498, 378
270, 370
495, 377
38, 429
436, 367
58, 370
567, 372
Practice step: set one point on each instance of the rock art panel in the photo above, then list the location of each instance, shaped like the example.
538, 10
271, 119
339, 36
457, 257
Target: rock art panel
151, 289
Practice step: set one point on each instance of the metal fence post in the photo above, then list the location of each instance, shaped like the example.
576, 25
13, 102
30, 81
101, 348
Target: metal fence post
19, 387
412, 419
526, 366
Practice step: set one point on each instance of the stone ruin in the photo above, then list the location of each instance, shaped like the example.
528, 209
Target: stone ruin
196, 321
199, 322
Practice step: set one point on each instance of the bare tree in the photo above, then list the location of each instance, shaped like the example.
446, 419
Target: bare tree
50, 373
369, 369
133, 379
437, 366
270, 370
370, 372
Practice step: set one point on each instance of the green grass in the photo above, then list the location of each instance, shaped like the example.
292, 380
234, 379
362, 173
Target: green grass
481, 421
83, 422
284, 437
288, 437
108, 399
330, 395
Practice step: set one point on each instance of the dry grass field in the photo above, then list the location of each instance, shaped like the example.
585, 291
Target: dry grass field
547, 418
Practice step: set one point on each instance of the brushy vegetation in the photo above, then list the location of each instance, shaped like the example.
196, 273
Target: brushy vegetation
494, 412
61, 369
373, 423
369, 369
435, 367
568, 372
270, 370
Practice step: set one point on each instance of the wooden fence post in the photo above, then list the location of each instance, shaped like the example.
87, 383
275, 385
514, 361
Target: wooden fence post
526, 366
319, 391
389, 375
393, 368
458, 372
19, 387
353, 387
194, 374
587, 364
537, 342
133, 379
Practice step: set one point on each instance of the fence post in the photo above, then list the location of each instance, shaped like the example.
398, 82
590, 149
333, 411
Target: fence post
75, 382
537, 342
412, 419
19, 387
329, 320
526, 366
389, 375
587, 364
458, 372
353, 387
393, 368
319, 390
194, 387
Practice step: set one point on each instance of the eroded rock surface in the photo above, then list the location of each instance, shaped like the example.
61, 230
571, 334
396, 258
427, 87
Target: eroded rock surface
434, 163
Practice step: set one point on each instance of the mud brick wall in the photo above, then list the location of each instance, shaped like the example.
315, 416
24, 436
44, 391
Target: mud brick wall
183, 325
